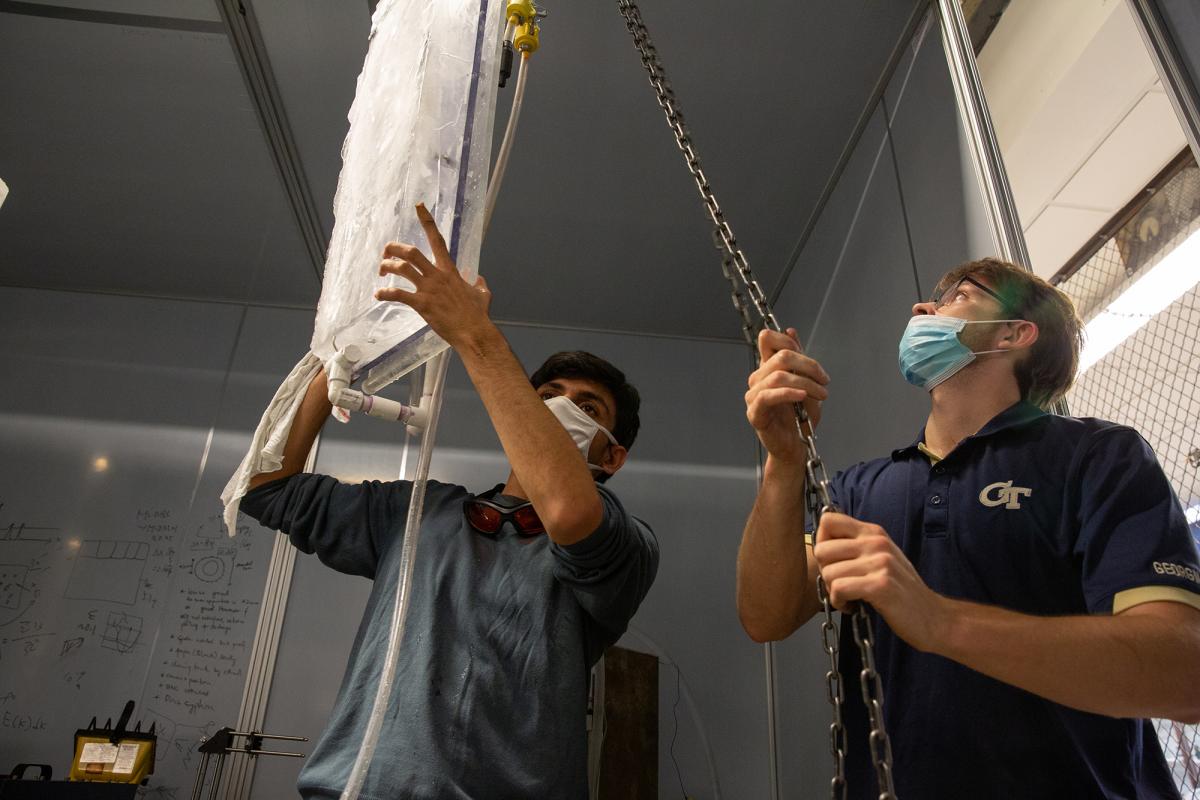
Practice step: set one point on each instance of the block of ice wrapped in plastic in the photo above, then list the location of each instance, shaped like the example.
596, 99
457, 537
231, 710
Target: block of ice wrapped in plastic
420, 131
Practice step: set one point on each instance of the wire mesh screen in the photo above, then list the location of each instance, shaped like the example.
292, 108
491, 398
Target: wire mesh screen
1150, 380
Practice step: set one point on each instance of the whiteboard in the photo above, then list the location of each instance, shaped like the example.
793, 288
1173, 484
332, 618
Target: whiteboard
117, 581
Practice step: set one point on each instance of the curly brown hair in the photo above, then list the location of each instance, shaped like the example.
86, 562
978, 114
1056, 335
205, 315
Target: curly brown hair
1049, 370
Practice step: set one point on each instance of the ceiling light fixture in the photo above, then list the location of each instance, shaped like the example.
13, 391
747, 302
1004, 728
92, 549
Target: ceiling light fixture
1161, 285
3, 192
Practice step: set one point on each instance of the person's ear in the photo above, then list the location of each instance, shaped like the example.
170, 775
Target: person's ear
1021, 335
614, 458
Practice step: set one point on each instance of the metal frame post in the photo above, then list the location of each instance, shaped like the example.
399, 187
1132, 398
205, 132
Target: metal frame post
772, 722
985, 152
1172, 71
769, 671
260, 671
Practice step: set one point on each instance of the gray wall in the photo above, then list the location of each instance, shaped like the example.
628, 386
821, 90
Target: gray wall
906, 209
118, 581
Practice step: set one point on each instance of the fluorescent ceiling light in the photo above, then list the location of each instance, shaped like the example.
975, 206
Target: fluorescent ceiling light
1161, 285
3, 192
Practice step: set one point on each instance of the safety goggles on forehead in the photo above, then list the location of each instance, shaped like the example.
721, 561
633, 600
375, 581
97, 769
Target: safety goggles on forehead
487, 517
948, 295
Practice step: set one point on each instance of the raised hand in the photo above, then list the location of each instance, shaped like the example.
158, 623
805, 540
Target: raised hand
785, 376
455, 309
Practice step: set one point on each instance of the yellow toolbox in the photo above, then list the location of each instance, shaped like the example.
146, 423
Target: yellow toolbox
114, 755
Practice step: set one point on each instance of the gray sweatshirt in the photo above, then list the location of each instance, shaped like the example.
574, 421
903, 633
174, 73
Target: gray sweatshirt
490, 692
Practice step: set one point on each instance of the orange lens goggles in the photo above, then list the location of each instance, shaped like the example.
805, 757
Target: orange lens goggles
487, 517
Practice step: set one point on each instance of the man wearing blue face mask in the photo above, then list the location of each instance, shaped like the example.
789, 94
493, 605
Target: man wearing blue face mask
1034, 588
517, 590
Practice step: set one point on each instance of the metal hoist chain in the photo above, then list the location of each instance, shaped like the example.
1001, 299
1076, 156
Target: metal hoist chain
746, 293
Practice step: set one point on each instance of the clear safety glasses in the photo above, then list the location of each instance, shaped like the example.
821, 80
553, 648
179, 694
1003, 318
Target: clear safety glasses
950, 293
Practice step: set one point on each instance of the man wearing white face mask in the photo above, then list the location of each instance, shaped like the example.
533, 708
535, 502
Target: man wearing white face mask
1034, 588
517, 590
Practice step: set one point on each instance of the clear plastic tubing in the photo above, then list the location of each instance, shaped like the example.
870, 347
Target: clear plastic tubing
412, 527
383, 693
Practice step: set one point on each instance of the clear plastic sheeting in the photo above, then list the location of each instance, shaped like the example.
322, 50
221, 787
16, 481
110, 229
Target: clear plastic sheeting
420, 131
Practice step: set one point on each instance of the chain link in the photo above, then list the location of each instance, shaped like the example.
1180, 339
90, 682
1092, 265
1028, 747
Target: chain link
746, 294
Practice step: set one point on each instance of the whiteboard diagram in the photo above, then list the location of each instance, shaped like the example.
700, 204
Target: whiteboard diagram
109, 571
121, 631
13, 578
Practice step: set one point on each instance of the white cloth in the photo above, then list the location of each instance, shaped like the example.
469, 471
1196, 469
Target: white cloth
266, 449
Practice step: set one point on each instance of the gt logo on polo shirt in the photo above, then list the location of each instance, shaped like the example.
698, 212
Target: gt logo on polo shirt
1003, 493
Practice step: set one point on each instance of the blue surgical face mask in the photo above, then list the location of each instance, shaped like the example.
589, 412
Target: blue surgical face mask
930, 352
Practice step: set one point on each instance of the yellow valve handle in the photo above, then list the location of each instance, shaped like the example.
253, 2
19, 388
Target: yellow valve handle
522, 10
527, 39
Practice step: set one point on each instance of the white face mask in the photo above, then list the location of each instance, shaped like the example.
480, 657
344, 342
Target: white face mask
578, 424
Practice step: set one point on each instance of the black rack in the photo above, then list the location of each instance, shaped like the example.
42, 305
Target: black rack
222, 744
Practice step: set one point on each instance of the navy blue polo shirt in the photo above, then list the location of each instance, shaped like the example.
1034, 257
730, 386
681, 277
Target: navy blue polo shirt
1040, 514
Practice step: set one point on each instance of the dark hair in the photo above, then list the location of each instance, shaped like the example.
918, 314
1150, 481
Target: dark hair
1049, 370
578, 364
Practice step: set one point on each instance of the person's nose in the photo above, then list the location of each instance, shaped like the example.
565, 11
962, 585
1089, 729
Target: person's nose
922, 309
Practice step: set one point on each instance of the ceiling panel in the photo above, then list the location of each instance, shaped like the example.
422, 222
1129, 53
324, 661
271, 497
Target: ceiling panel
135, 164
141, 152
619, 236
1137, 147
316, 50
1057, 233
1055, 121
1081, 118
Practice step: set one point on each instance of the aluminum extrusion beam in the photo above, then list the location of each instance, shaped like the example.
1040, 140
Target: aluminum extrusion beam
1181, 88
985, 152
772, 721
238, 778
251, 54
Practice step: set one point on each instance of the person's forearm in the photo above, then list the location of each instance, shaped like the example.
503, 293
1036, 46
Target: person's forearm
773, 592
310, 417
541, 453
1127, 665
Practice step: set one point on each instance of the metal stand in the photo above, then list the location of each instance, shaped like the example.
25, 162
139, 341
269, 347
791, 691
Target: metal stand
222, 744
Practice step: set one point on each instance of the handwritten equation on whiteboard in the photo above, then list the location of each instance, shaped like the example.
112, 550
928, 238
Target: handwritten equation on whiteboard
161, 609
